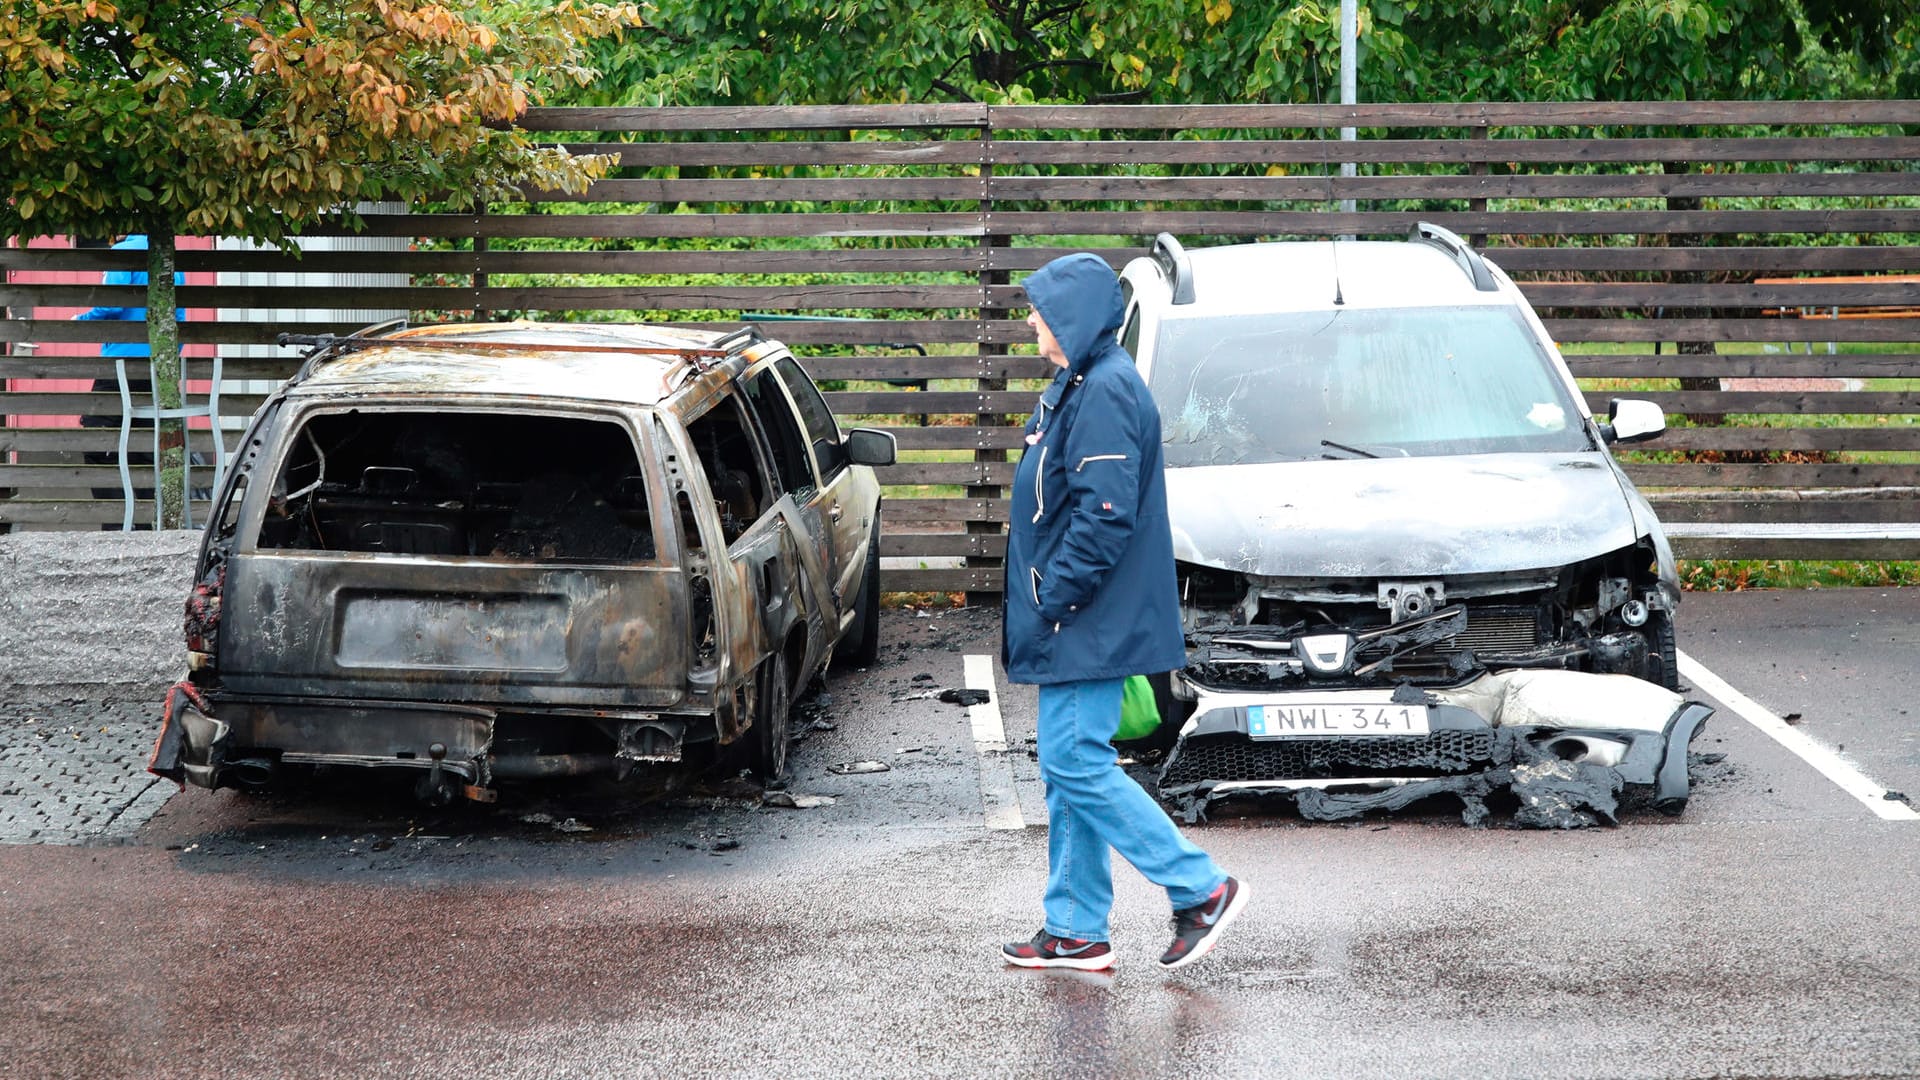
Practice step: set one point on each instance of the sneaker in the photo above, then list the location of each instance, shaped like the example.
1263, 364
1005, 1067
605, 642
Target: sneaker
1047, 951
1197, 929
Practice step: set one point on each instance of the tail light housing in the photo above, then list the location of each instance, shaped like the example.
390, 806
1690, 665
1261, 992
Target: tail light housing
203, 621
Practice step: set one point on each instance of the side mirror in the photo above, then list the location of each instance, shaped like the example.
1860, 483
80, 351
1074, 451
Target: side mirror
866, 446
1631, 420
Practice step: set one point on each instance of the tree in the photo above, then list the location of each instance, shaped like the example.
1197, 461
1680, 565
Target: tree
166, 117
1177, 51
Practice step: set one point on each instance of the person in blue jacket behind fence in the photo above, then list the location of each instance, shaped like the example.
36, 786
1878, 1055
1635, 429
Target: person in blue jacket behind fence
135, 243
1090, 599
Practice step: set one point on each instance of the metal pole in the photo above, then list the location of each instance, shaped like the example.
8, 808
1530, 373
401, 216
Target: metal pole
1349, 79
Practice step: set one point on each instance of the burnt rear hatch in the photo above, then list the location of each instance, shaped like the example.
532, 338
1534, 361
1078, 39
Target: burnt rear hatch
463, 579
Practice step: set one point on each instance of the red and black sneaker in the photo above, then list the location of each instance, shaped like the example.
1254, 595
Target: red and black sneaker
1197, 929
1048, 951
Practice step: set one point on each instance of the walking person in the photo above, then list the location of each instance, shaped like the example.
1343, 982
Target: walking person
1090, 599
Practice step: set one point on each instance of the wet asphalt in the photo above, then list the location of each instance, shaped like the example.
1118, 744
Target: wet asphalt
690, 930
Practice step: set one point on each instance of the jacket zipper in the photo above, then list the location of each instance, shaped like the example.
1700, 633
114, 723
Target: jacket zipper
1039, 487
1098, 457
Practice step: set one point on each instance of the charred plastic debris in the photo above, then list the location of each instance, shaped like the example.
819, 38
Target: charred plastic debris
1552, 692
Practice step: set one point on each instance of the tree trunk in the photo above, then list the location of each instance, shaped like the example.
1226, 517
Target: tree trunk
163, 338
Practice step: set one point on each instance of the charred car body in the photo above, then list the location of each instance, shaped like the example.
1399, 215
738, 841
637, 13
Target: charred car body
525, 550
1408, 563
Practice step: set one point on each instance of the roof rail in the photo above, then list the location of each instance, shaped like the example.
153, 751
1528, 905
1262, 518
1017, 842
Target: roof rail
1173, 262
694, 361
1462, 252
735, 340
326, 346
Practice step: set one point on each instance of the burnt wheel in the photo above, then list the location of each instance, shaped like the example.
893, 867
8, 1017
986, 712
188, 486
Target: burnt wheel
1663, 662
772, 719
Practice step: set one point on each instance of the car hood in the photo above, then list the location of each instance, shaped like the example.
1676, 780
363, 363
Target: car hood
1392, 517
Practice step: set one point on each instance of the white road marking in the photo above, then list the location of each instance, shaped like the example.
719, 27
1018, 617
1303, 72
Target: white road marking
997, 793
1829, 763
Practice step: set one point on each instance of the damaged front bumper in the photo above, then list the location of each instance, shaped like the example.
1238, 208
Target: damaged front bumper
245, 741
1564, 744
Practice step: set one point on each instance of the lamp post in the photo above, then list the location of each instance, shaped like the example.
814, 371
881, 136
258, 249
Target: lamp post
1349, 79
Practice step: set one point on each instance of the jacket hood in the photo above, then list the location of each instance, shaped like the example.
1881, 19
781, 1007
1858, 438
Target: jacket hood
1079, 297
1399, 517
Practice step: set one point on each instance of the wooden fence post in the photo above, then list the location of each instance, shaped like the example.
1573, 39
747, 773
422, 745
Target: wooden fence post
1478, 167
991, 376
1691, 348
480, 314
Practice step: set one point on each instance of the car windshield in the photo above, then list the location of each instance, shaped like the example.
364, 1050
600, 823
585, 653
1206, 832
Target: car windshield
1371, 382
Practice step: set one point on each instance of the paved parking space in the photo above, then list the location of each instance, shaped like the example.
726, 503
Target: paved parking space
1833, 664
1764, 932
1838, 664
73, 765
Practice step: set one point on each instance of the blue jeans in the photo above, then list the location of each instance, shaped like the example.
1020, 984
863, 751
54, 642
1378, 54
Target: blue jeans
1092, 806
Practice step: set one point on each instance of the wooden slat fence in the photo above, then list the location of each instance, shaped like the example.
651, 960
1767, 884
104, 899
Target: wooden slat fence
1673, 248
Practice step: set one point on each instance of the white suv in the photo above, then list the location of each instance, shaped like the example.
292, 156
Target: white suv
1399, 535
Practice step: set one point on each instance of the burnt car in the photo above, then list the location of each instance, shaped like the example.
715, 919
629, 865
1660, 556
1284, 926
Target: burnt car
521, 550
1407, 560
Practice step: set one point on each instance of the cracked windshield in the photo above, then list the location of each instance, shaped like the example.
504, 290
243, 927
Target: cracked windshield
1383, 382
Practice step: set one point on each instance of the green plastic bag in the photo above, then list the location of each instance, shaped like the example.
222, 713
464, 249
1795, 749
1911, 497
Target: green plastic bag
1139, 716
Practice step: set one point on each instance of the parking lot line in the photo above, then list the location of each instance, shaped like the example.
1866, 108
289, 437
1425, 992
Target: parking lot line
997, 795
1829, 763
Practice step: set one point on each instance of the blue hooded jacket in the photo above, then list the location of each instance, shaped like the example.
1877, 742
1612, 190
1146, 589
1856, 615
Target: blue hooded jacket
1090, 590
136, 242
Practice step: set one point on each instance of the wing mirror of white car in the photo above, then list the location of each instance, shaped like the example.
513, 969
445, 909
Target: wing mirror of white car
1631, 420
867, 446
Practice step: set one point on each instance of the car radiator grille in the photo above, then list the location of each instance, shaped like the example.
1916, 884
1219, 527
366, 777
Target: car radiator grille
1236, 757
1500, 629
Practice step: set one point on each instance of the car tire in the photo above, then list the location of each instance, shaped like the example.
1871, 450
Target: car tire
861, 646
1663, 663
772, 719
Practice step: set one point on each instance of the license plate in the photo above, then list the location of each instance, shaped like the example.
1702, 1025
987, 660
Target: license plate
485, 633
1335, 718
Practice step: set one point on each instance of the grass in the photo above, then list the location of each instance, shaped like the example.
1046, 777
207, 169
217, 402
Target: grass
1733, 575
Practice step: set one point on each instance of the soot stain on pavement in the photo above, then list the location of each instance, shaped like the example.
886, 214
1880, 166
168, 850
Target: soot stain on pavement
665, 822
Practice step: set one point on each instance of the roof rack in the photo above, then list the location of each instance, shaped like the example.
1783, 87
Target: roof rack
692, 361
735, 340
326, 347
1462, 252
1173, 262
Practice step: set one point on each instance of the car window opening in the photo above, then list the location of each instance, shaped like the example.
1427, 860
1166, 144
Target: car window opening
724, 446
702, 631
824, 433
462, 484
783, 435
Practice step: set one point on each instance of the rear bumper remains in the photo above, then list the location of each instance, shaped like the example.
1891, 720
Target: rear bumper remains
214, 741
1564, 745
